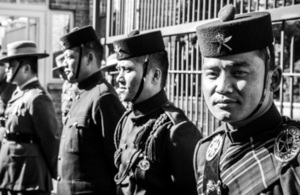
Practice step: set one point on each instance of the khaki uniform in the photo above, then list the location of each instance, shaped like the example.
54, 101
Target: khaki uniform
29, 151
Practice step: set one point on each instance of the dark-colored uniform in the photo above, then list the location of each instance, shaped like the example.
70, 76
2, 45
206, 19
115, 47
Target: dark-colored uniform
85, 162
155, 143
259, 158
29, 151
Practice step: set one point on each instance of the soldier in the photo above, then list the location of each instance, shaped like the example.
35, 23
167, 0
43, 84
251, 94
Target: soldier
110, 69
85, 162
69, 89
30, 147
6, 90
256, 150
155, 140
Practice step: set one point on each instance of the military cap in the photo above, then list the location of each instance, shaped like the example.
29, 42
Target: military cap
233, 34
77, 37
111, 62
137, 44
20, 49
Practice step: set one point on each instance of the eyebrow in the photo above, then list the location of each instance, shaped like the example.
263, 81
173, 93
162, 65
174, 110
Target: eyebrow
234, 65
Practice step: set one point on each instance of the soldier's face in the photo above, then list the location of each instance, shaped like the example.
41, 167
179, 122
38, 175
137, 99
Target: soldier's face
233, 85
129, 78
2, 71
71, 57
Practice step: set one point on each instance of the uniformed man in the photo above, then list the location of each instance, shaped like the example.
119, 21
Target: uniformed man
155, 140
256, 150
6, 90
109, 69
69, 90
29, 150
85, 162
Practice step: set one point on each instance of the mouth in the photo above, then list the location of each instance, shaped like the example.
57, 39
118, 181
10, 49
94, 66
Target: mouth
225, 102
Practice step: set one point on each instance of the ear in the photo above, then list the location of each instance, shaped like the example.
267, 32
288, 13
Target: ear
276, 79
27, 68
90, 57
156, 76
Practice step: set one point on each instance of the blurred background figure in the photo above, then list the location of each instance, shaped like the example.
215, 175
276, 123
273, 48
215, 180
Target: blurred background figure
6, 90
109, 69
69, 90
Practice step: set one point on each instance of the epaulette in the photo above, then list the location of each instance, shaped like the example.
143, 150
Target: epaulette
287, 142
175, 114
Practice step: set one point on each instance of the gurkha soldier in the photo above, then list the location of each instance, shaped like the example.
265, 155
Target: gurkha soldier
256, 150
155, 140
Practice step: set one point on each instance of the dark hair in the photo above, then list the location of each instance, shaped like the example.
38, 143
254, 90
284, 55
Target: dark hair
32, 62
268, 55
160, 60
95, 47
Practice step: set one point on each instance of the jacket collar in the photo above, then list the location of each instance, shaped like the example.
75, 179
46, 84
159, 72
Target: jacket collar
91, 81
267, 123
151, 104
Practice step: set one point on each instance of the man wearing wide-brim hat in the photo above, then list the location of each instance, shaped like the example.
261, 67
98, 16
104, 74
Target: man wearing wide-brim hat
30, 147
256, 149
85, 163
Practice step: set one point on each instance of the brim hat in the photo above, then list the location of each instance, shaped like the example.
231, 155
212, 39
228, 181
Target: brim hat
235, 34
137, 44
77, 37
111, 62
21, 49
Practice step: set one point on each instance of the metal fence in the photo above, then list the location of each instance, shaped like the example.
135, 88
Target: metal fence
178, 19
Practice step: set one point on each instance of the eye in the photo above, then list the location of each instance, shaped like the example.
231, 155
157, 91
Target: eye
210, 74
240, 73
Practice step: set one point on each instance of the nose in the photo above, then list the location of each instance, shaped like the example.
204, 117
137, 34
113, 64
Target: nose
224, 83
120, 77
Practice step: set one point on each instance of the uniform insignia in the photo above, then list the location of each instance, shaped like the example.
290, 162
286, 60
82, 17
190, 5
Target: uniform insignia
222, 41
144, 164
118, 50
211, 186
214, 147
287, 144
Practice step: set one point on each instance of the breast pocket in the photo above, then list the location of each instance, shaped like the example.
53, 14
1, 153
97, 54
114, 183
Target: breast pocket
77, 138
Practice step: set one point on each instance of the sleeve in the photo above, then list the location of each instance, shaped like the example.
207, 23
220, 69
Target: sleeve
46, 128
183, 140
290, 176
110, 110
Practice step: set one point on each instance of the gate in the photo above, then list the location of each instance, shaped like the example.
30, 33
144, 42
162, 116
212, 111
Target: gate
178, 19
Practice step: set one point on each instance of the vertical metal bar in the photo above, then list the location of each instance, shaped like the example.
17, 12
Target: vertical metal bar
249, 6
215, 8
173, 60
242, 7
138, 14
203, 9
193, 11
174, 13
292, 77
192, 76
170, 92
209, 9
176, 68
257, 5
266, 4
142, 13
198, 10
154, 16
221, 4
179, 11
184, 12
109, 23
282, 61
162, 14
151, 14
147, 12
121, 19
181, 74
186, 74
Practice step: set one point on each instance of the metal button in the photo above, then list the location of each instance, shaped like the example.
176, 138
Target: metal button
59, 157
58, 178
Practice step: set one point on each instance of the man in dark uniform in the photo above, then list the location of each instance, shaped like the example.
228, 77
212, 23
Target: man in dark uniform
256, 150
28, 156
109, 69
155, 140
85, 162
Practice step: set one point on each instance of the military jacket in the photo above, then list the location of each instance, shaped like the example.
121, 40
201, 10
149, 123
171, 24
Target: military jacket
30, 166
6, 90
155, 143
257, 159
69, 91
85, 162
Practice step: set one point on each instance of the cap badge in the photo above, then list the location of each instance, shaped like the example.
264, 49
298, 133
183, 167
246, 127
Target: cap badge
118, 50
287, 144
222, 41
214, 147
144, 164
